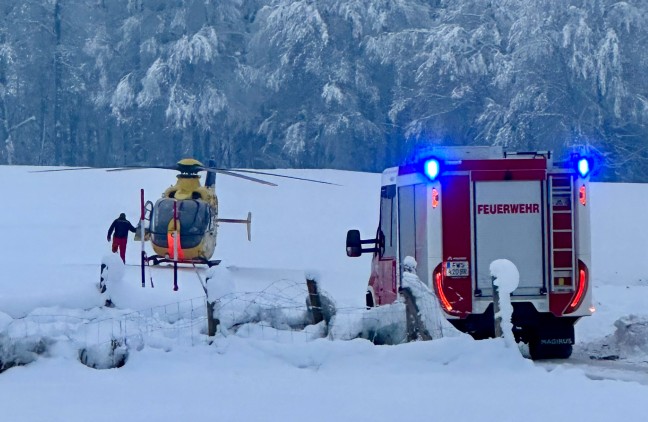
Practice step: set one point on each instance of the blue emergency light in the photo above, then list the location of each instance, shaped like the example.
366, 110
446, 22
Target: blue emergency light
583, 166
431, 168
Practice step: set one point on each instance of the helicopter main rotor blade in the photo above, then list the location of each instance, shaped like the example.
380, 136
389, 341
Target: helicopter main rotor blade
71, 169
106, 168
141, 168
241, 176
281, 175
228, 172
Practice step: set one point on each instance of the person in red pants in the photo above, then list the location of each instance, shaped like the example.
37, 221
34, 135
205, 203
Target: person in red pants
121, 226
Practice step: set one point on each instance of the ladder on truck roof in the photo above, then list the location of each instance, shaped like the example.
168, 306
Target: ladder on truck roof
562, 231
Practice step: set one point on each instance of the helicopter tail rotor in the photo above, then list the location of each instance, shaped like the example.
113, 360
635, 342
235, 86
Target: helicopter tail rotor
249, 226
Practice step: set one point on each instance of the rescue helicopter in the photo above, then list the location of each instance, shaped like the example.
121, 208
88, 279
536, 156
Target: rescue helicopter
182, 225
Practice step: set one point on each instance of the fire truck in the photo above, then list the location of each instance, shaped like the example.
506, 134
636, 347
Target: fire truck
455, 210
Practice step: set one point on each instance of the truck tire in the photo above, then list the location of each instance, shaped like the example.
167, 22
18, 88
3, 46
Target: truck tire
369, 300
553, 351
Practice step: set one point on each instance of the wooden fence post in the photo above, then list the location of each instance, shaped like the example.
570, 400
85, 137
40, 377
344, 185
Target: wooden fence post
315, 301
212, 323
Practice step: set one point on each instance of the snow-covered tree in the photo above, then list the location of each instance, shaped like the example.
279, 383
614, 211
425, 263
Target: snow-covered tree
356, 84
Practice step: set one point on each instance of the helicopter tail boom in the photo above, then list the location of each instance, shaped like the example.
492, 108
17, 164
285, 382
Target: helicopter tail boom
247, 221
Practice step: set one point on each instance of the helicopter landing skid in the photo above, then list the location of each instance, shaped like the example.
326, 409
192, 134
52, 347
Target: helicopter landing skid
157, 259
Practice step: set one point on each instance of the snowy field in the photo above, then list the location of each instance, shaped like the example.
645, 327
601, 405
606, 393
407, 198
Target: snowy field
54, 240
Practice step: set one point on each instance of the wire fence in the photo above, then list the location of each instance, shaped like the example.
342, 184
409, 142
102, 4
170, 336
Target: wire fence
178, 323
280, 312
181, 322
185, 324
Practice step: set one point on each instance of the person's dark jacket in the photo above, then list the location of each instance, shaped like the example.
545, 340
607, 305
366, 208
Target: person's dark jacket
121, 227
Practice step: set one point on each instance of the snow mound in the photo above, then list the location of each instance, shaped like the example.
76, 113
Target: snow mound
507, 279
632, 333
281, 305
108, 355
112, 273
381, 325
220, 283
5, 321
23, 351
629, 341
507, 276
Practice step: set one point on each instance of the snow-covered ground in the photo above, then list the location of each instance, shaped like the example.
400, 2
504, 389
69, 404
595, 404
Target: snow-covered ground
54, 240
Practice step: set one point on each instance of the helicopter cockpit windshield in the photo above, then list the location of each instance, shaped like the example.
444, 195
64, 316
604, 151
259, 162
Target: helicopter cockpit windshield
194, 217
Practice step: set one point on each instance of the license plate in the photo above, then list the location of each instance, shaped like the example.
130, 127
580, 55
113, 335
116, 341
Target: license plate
457, 269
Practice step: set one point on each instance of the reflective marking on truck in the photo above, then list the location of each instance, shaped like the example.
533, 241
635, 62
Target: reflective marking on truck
508, 209
556, 341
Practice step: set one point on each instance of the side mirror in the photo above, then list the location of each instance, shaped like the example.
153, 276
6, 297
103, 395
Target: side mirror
353, 243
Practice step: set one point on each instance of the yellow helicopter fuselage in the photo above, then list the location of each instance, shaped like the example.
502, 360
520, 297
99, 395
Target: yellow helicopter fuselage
186, 211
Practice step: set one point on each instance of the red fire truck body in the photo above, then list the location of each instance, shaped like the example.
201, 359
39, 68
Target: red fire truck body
456, 210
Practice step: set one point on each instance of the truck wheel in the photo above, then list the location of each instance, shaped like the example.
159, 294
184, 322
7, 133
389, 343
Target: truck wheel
369, 300
552, 351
